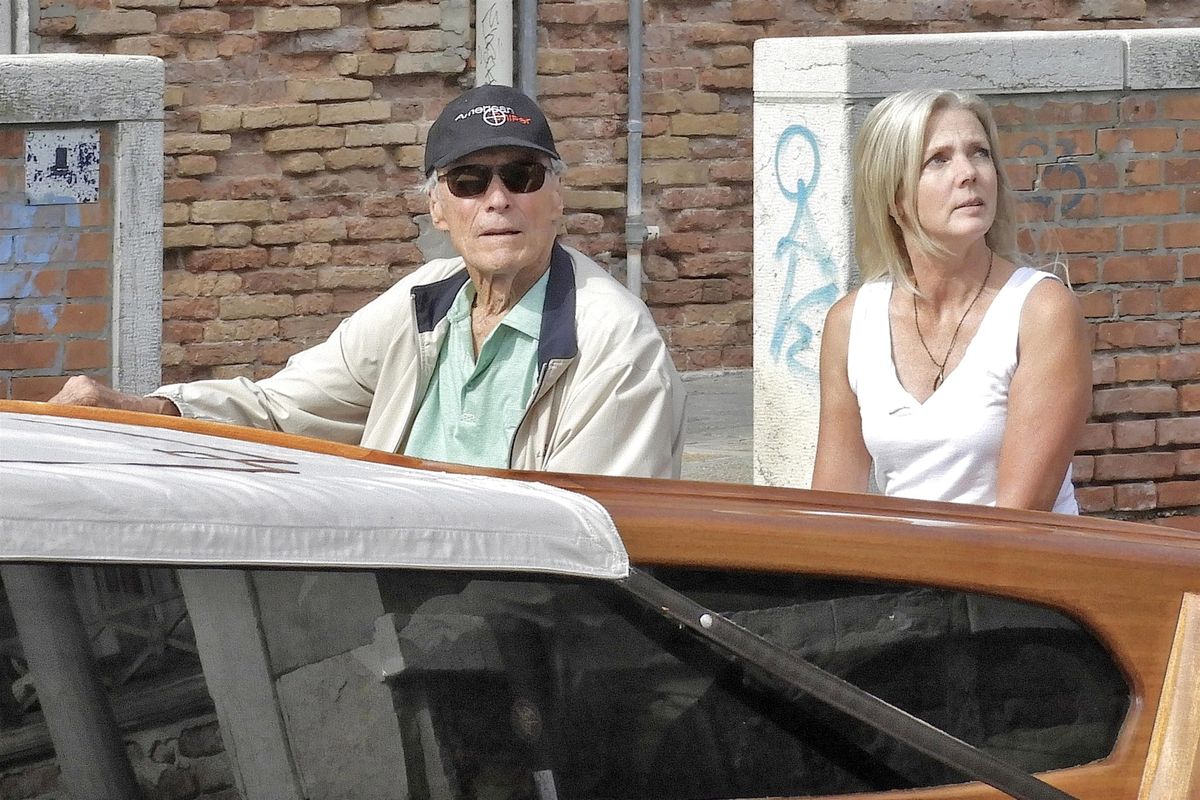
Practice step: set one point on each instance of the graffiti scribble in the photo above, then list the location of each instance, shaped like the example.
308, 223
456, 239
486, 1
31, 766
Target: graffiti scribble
802, 247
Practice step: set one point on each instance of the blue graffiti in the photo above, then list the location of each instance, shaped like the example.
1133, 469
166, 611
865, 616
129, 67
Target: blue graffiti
37, 248
798, 319
1074, 169
16, 285
49, 312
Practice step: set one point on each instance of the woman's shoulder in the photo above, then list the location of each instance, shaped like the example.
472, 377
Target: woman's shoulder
1048, 304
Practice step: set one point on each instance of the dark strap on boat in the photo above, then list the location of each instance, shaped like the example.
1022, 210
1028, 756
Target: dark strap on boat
831, 690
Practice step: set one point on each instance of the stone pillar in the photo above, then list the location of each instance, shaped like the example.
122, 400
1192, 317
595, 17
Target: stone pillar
810, 96
108, 214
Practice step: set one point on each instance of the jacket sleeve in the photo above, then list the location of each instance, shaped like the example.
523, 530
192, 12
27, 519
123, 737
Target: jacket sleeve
623, 418
324, 392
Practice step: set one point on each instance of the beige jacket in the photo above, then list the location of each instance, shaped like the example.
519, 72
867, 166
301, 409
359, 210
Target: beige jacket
608, 398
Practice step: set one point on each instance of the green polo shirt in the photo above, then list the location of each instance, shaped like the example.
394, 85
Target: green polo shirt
473, 406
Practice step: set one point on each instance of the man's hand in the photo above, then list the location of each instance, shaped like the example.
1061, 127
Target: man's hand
83, 391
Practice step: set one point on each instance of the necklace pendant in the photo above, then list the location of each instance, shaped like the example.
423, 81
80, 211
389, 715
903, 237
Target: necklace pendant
937, 380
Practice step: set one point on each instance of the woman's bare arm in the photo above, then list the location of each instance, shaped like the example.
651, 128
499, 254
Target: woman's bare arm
1049, 399
842, 462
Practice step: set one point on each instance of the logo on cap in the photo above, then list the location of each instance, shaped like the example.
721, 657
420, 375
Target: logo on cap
496, 115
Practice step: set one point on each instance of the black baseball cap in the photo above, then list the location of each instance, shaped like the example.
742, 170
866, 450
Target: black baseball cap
483, 117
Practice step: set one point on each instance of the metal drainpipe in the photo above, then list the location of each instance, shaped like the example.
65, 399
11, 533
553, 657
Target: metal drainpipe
527, 48
636, 232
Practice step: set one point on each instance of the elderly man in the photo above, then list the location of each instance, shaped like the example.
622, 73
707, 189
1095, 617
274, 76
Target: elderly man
518, 353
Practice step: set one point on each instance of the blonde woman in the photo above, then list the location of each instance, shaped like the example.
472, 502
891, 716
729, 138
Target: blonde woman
957, 372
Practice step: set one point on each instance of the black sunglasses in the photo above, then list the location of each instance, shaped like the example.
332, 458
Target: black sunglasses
472, 180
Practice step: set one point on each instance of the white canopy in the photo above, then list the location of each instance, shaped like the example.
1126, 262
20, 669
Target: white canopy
80, 490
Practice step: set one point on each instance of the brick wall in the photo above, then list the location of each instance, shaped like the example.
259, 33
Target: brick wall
55, 280
293, 151
1111, 187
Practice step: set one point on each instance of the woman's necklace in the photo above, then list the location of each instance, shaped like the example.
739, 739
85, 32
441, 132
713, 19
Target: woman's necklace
941, 365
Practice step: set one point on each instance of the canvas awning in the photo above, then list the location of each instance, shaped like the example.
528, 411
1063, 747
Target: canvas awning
84, 490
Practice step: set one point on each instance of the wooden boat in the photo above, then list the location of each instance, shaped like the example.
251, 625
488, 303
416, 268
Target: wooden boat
968, 598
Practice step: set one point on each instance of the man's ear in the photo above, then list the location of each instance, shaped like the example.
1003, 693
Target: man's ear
435, 210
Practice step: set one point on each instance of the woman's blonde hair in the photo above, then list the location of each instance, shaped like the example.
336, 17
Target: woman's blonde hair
888, 156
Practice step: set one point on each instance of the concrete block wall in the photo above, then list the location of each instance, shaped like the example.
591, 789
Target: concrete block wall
1100, 137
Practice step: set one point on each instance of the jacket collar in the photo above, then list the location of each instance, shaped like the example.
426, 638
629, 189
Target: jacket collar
432, 302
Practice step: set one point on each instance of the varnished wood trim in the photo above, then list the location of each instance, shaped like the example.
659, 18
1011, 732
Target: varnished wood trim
1173, 765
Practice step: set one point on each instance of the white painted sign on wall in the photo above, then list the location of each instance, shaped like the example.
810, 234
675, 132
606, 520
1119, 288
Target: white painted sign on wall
62, 165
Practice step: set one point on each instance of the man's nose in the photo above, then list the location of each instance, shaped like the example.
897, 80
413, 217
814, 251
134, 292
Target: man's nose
497, 194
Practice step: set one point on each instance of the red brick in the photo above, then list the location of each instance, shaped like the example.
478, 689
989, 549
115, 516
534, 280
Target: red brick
95, 282
1181, 234
1096, 436
179, 331
1137, 140
1143, 172
1181, 106
12, 143
1147, 333
740, 357
1032, 209
1137, 302
1141, 204
1080, 206
1134, 434
1181, 299
1082, 468
1132, 466
83, 318
1084, 270
1139, 400
1189, 397
1009, 115
1174, 494
1055, 113
38, 389
1079, 240
1190, 139
1135, 497
1131, 269
1188, 462
674, 292
1095, 499
1141, 236
1137, 368
85, 354
1179, 366
1191, 265
1189, 331
1138, 109
1181, 170
28, 355
753, 10
1180, 430
190, 308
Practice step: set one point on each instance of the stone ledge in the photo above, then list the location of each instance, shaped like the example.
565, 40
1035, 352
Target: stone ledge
987, 63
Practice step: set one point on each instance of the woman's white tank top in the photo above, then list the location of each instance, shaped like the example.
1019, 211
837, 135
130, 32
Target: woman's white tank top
947, 448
